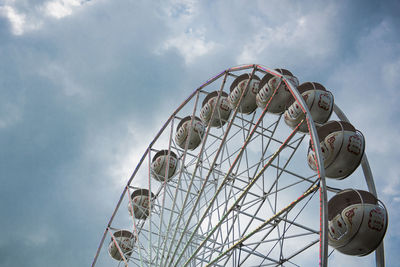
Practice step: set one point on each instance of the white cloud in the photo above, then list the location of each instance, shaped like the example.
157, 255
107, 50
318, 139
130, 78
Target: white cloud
18, 21
309, 37
60, 8
130, 151
186, 36
33, 16
122, 150
191, 45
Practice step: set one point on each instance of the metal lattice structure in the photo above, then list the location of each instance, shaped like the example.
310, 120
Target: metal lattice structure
244, 197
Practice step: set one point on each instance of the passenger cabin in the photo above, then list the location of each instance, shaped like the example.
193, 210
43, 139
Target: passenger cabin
142, 203
125, 240
221, 113
251, 86
191, 132
357, 222
268, 84
159, 169
319, 101
342, 148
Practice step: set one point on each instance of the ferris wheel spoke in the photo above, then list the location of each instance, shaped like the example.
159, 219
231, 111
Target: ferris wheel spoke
230, 222
268, 221
135, 231
180, 173
202, 189
266, 195
149, 218
270, 240
194, 172
267, 145
267, 192
316, 241
164, 187
263, 240
247, 187
258, 255
262, 130
246, 136
246, 170
300, 177
277, 221
284, 237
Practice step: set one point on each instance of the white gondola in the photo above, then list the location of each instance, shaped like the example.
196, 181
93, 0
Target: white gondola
222, 112
192, 130
319, 102
357, 222
268, 84
248, 104
342, 148
159, 163
125, 240
142, 203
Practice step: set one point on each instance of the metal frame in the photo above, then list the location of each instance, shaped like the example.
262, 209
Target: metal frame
217, 207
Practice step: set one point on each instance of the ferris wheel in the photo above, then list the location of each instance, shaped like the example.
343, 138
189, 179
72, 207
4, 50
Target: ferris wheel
240, 175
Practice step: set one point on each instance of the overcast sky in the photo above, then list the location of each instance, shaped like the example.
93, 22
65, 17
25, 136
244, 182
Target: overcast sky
85, 86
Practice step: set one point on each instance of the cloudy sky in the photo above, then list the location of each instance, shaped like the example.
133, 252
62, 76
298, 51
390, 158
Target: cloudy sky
85, 85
